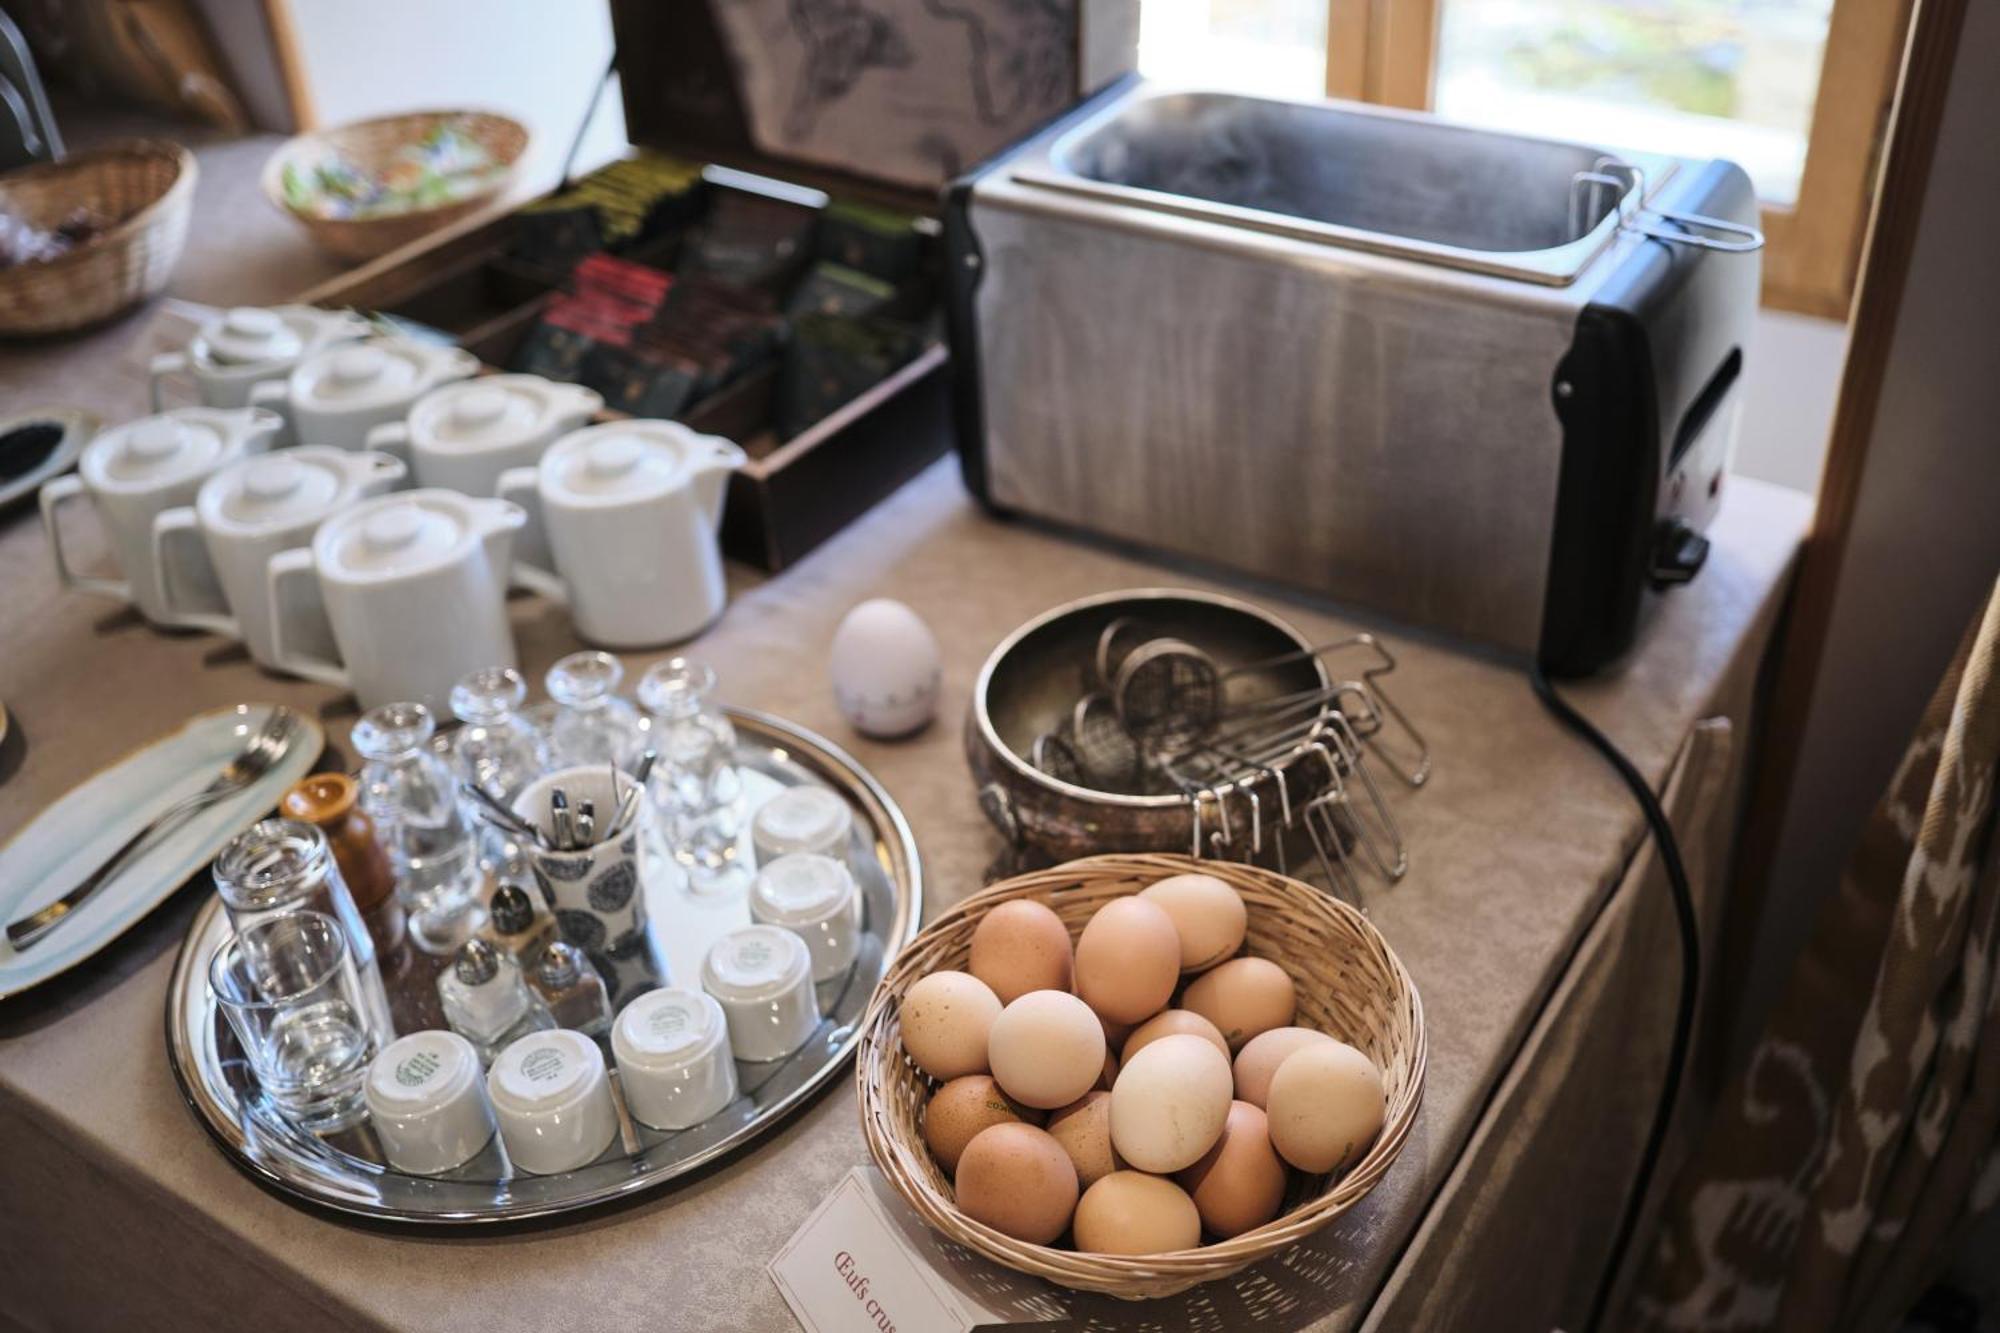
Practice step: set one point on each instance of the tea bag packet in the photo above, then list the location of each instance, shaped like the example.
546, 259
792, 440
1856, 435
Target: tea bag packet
880, 242
835, 289
751, 240
832, 360
608, 300
617, 205
642, 380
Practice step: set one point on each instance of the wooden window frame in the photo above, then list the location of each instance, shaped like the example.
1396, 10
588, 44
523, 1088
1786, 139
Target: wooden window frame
1385, 51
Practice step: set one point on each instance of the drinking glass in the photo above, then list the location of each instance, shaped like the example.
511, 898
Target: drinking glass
279, 866
410, 793
694, 783
592, 724
288, 987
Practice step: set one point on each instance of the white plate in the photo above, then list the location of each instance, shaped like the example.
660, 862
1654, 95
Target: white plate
81, 831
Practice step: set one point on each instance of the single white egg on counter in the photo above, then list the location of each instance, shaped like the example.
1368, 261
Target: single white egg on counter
886, 669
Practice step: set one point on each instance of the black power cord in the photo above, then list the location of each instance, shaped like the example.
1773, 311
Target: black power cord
1684, 915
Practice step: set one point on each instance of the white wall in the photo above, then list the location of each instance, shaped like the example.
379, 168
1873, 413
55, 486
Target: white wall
1791, 376
535, 60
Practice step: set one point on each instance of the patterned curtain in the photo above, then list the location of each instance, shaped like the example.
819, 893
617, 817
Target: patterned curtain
1864, 1135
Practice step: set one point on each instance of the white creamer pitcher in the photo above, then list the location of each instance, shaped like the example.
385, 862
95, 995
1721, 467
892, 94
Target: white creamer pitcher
398, 596
337, 395
629, 512
464, 435
211, 555
133, 472
241, 348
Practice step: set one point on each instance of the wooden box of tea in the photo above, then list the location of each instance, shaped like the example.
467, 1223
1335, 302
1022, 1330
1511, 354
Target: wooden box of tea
767, 264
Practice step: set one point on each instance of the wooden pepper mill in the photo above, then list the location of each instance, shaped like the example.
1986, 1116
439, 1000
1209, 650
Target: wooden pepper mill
332, 802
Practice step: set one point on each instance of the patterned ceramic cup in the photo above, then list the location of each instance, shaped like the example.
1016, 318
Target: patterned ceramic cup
597, 892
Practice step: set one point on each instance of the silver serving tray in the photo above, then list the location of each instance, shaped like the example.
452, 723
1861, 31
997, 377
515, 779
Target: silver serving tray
345, 1172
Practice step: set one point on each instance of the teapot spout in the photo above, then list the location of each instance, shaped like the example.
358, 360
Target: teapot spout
711, 474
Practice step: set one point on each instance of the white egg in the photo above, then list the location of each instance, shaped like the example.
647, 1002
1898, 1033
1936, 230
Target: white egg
886, 669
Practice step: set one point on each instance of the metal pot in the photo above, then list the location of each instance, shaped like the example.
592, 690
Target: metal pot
1033, 680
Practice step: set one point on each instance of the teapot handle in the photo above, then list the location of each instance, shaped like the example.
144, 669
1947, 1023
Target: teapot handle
391, 438
53, 495
181, 564
533, 564
298, 612
275, 396
157, 371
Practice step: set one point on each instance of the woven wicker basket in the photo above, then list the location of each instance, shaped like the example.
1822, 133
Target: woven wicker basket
371, 145
147, 185
1349, 984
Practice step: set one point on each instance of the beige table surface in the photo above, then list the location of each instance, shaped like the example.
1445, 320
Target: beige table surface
116, 1208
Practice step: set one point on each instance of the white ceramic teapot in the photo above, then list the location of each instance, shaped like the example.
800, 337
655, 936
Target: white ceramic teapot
249, 345
629, 511
338, 394
133, 472
211, 555
464, 435
398, 596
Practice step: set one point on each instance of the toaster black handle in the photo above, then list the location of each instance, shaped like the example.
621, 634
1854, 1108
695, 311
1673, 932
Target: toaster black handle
1655, 357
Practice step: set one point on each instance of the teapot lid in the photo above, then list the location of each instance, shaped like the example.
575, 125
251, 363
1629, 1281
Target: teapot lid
287, 489
174, 446
250, 334
407, 532
373, 373
622, 461
495, 411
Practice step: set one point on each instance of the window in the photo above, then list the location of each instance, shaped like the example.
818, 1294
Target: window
1739, 79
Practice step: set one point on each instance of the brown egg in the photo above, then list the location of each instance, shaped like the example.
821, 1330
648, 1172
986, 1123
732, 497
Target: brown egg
1208, 915
1083, 1128
1128, 960
1243, 997
1170, 1103
1240, 1183
1130, 1212
945, 1018
1047, 1049
963, 1107
1021, 946
1261, 1056
1326, 1106
1017, 1180
1169, 1023
1110, 1074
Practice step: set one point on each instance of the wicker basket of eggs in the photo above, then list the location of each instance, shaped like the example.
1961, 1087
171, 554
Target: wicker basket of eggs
1133, 1074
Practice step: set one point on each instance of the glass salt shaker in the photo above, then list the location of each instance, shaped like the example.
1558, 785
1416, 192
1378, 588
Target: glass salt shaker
592, 724
517, 925
694, 782
410, 793
497, 748
572, 990
487, 1002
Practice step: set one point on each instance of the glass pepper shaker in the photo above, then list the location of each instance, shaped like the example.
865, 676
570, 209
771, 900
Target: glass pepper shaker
592, 724
331, 802
486, 1001
572, 990
409, 791
497, 748
517, 925
694, 784
281, 866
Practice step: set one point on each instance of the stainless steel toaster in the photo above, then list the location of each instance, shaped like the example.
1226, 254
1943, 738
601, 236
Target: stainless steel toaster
1470, 380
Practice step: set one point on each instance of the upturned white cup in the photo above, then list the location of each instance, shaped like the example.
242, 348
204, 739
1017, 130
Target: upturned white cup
464, 435
211, 556
132, 473
629, 512
241, 348
397, 597
338, 394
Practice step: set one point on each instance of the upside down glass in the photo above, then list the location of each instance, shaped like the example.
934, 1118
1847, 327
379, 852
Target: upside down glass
694, 783
288, 987
411, 794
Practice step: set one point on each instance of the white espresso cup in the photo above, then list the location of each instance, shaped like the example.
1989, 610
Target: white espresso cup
629, 513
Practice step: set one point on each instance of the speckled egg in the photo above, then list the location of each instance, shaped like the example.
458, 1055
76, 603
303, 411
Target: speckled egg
1017, 1180
964, 1106
1083, 1128
945, 1019
1021, 946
